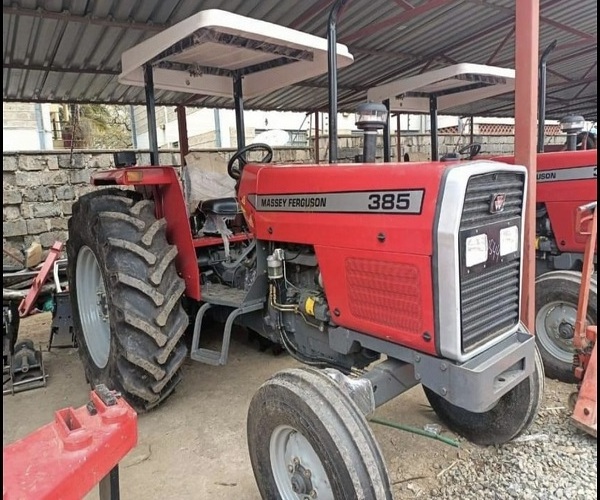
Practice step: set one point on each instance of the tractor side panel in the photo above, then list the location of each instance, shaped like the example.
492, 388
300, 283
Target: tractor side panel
375, 262
387, 295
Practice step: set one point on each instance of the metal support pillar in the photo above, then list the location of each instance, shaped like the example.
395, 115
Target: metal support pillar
472, 130
433, 127
387, 138
184, 147
238, 101
151, 114
398, 137
526, 58
332, 72
317, 139
108, 488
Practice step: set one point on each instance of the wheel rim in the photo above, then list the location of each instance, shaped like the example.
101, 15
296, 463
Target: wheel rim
92, 305
296, 467
555, 327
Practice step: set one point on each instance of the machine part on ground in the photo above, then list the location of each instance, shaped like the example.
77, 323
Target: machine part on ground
585, 412
126, 296
10, 330
26, 368
556, 299
67, 458
509, 418
62, 334
308, 439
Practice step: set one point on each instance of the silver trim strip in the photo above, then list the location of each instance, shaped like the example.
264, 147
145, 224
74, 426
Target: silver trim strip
448, 260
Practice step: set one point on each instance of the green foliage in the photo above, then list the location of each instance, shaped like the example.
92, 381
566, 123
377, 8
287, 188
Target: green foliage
101, 126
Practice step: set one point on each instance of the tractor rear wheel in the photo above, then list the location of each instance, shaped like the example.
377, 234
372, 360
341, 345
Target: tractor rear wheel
126, 297
556, 300
512, 415
307, 439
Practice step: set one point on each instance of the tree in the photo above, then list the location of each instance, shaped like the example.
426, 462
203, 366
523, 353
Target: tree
99, 126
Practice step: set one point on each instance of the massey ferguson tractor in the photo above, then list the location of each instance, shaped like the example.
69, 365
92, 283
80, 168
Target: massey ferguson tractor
566, 179
377, 277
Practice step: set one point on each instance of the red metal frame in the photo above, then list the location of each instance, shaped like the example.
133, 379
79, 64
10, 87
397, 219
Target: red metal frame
28, 302
584, 340
68, 457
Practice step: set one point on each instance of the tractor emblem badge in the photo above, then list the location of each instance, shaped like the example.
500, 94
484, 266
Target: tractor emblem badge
497, 204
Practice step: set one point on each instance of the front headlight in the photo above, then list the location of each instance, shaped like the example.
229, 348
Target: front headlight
509, 240
477, 249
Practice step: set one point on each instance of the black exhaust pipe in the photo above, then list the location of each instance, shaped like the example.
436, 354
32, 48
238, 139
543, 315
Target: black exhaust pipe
332, 73
542, 95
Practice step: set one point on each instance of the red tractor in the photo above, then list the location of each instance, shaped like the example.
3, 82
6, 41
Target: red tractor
376, 277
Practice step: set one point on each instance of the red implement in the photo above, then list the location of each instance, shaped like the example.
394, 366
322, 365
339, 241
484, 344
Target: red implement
67, 458
29, 301
584, 341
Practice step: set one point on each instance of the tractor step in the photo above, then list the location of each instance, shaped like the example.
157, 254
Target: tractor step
210, 356
223, 295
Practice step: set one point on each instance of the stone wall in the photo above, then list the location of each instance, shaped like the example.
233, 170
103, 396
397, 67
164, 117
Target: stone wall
418, 146
40, 187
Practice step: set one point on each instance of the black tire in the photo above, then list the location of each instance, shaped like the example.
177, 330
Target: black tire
142, 295
509, 418
553, 288
310, 403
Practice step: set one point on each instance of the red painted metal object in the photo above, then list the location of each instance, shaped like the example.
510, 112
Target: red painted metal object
28, 302
584, 340
69, 457
170, 203
564, 184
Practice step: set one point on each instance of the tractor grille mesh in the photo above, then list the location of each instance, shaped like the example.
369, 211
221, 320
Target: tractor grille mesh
385, 293
489, 297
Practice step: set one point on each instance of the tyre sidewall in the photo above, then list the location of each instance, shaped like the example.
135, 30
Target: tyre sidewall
84, 237
278, 405
560, 287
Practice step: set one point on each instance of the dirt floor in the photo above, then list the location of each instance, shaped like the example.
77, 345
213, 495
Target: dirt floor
195, 445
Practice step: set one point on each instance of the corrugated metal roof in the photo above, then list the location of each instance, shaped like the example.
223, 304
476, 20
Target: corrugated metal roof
70, 50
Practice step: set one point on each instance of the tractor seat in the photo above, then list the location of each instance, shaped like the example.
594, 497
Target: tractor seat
227, 207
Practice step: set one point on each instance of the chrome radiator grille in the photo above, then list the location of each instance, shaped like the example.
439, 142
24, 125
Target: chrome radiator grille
489, 292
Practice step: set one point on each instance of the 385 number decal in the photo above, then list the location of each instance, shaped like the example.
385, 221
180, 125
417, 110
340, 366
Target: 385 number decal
389, 201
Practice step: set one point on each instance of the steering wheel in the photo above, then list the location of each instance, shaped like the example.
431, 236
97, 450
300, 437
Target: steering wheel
235, 172
470, 149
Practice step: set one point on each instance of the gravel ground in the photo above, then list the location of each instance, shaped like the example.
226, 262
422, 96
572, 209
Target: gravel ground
553, 460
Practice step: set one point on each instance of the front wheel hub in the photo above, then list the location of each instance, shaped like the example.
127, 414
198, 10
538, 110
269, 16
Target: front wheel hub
566, 331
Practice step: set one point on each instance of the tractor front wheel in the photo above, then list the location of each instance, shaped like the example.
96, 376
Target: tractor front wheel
509, 418
126, 297
556, 301
307, 439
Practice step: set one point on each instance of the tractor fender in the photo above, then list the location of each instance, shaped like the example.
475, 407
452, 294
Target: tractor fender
167, 194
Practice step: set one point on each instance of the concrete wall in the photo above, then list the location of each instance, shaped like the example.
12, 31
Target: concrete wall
39, 188
26, 127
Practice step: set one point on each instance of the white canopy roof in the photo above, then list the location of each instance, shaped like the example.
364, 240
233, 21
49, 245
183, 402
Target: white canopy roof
200, 55
453, 86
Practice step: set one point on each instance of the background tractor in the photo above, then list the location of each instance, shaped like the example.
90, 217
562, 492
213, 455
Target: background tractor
376, 277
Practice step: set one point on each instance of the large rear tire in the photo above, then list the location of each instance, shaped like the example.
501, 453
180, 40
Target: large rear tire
307, 439
509, 418
126, 297
556, 300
